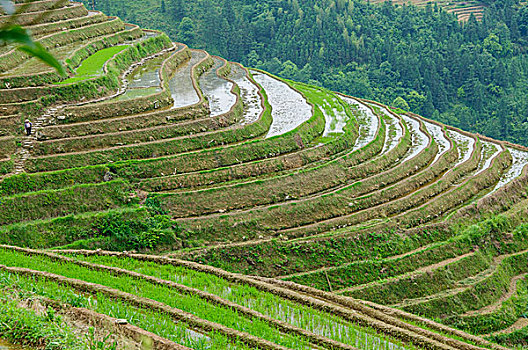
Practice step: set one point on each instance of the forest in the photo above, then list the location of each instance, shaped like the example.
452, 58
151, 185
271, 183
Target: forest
473, 75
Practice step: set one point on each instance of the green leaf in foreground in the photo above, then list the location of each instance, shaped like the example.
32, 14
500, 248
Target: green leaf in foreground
15, 34
19, 35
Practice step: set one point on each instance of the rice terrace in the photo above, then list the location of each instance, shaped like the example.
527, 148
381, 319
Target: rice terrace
167, 198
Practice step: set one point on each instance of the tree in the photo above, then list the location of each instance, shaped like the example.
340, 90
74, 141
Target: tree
491, 44
289, 70
416, 101
186, 31
400, 103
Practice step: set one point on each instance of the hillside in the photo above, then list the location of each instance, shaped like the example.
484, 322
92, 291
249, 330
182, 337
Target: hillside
174, 199
468, 72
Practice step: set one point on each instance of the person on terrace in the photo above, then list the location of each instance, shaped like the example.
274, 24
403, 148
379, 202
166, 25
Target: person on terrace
27, 126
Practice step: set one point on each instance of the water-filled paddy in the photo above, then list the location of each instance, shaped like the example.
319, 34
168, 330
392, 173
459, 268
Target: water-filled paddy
289, 108
217, 90
181, 85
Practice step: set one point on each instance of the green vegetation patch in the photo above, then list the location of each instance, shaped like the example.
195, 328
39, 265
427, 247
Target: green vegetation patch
149, 320
43, 330
94, 64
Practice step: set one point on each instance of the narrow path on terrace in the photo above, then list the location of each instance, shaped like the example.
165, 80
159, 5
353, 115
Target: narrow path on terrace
443, 294
120, 138
217, 90
518, 325
52, 114
249, 92
289, 108
21, 155
464, 284
344, 265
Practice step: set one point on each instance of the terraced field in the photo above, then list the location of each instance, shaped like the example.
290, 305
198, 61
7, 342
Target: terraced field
273, 214
461, 9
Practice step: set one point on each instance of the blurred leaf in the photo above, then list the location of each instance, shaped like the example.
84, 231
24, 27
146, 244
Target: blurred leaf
15, 34
37, 50
19, 35
8, 6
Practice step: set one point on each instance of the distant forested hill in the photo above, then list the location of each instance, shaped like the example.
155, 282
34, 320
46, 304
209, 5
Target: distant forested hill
473, 75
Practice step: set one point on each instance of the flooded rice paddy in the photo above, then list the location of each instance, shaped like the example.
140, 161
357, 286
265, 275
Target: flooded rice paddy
394, 131
368, 123
419, 139
520, 159
335, 119
181, 84
289, 108
217, 90
437, 133
146, 75
249, 92
489, 152
465, 145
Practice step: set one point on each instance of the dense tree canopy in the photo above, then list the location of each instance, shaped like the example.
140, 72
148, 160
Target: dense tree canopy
472, 75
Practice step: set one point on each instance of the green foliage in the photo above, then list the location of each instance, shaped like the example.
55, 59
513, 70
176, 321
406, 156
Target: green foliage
72, 200
6, 166
66, 229
45, 331
93, 65
23, 183
400, 103
96, 344
149, 233
149, 320
264, 302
